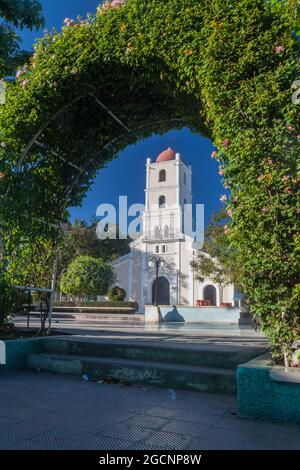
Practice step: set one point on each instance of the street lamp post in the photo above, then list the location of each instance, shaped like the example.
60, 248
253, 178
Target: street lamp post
156, 262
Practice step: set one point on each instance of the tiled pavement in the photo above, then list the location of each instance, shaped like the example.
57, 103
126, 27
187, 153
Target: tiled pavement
44, 411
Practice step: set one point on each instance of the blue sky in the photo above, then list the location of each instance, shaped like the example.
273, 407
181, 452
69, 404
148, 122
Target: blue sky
126, 174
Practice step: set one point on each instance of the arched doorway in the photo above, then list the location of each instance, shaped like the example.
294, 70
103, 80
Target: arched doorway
210, 294
161, 291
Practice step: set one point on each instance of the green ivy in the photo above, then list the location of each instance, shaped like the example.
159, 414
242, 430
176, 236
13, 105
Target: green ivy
222, 68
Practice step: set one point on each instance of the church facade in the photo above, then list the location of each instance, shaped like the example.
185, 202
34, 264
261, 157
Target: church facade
158, 268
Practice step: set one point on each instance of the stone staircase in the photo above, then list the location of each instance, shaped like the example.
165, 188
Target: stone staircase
204, 368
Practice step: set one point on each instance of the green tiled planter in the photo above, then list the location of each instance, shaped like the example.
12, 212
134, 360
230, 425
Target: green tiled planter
264, 393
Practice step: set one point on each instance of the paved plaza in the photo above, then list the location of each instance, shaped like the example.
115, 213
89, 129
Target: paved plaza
44, 411
188, 334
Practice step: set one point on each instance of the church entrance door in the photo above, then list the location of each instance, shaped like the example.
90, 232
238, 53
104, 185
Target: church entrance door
210, 294
161, 291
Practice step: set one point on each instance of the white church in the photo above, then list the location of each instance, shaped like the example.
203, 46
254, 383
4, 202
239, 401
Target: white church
158, 271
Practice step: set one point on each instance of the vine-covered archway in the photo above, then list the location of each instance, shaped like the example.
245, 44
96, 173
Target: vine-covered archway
222, 68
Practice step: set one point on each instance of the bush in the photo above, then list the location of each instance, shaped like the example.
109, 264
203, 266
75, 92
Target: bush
117, 294
10, 301
87, 276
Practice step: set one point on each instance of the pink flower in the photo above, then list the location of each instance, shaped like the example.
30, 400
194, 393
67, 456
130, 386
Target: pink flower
188, 52
19, 73
68, 22
107, 5
221, 171
226, 143
286, 178
226, 185
260, 178
214, 154
117, 3
223, 198
229, 212
279, 49
288, 190
226, 229
270, 162
265, 210
290, 128
25, 83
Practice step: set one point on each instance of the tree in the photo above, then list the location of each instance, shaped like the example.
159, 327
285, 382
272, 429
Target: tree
87, 276
32, 266
224, 69
219, 259
16, 14
80, 239
9, 300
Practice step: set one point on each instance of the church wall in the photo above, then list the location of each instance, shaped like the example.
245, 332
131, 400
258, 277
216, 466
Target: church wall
185, 278
138, 277
171, 178
133, 271
169, 194
122, 270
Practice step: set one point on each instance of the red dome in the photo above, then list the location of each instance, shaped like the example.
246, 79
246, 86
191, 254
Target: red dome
166, 155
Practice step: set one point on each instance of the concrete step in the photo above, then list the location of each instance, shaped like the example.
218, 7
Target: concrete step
118, 317
204, 379
223, 357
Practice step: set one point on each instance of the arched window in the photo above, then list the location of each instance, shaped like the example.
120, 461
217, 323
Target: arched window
156, 232
166, 232
184, 179
163, 249
162, 176
162, 202
156, 249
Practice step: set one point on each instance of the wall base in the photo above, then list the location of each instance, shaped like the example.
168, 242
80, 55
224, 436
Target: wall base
179, 313
152, 314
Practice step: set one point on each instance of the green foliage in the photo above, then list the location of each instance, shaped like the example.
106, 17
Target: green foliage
16, 14
9, 300
222, 68
80, 239
117, 294
87, 276
32, 265
218, 259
